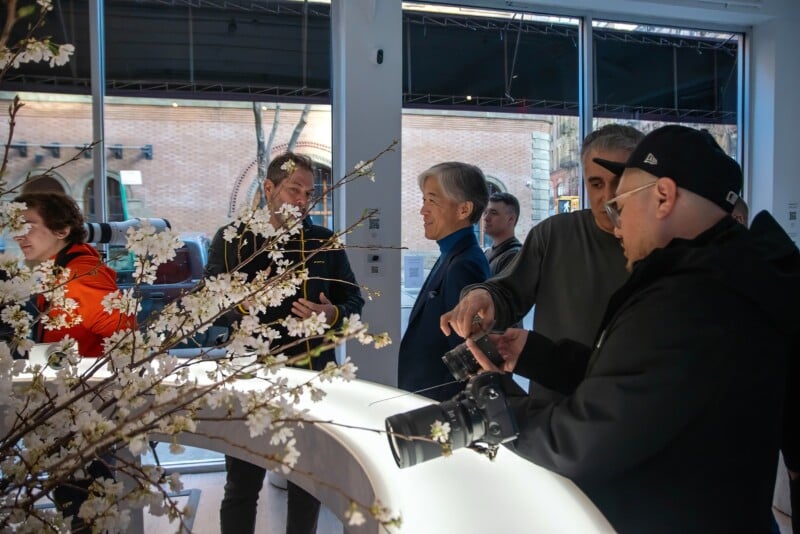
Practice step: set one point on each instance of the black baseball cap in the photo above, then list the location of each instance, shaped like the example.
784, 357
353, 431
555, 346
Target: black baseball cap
692, 158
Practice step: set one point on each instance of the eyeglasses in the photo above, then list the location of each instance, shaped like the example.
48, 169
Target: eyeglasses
615, 211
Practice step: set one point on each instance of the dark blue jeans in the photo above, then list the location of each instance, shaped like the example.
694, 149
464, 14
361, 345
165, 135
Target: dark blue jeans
239, 504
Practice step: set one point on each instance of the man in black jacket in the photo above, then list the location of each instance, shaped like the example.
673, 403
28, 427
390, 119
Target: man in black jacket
330, 288
672, 420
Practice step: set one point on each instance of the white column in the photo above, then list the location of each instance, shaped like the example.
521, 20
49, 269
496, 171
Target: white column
775, 117
367, 107
540, 176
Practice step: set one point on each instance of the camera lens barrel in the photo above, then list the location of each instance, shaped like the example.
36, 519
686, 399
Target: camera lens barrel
478, 417
462, 364
97, 232
409, 433
116, 233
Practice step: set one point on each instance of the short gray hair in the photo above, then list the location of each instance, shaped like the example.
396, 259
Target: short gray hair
612, 137
461, 182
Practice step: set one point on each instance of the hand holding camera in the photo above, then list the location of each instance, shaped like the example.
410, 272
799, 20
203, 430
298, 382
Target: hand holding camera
462, 319
507, 347
486, 351
461, 360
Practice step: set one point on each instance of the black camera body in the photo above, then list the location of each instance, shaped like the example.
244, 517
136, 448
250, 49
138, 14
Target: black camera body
462, 364
479, 417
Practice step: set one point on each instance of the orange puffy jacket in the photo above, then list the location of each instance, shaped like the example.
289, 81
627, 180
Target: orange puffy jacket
90, 280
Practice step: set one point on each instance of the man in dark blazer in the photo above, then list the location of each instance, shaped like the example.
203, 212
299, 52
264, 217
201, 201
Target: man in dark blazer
454, 196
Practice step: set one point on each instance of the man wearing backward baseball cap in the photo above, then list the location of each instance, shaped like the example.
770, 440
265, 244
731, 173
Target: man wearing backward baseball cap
672, 420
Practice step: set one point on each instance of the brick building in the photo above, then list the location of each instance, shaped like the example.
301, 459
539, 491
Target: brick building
197, 159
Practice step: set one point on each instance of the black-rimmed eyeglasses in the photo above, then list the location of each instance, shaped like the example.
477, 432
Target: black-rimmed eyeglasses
614, 211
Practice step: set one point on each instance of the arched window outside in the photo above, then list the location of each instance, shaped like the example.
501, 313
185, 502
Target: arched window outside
322, 212
117, 201
43, 184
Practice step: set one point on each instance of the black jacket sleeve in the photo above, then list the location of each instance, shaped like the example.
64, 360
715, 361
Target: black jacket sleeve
345, 292
559, 366
654, 375
216, 255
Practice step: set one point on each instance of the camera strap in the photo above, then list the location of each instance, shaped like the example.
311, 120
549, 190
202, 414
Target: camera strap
63, 257
414, 392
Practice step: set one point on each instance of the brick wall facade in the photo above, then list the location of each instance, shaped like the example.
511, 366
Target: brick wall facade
201, 154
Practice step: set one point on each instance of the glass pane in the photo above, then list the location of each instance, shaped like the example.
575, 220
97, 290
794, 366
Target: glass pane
493, 60
488, 84
232, 50
196, 160
50, 128
665, 74
68, 23
533, 157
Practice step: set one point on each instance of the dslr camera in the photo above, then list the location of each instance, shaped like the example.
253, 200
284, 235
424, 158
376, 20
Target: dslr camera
479, 418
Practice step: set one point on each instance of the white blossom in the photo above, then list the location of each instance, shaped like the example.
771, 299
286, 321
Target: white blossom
288, 166
354, 516
174, 482
138, 444
12, 219
62, 56
313, 325
290, 457
440, 431
365, 169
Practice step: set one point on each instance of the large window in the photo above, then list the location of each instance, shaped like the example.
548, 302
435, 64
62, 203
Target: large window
234, 50
499, 89
191, 162
691, 78
189, 81
193, 87
657, 73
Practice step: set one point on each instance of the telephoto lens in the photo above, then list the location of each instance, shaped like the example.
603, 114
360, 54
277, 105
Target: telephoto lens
462, 364
116, 233
406, 429
478, 415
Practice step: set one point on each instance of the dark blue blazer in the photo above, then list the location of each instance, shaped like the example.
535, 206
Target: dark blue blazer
420, 360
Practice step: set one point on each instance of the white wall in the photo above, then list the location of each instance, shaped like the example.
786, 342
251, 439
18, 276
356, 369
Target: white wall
775, 114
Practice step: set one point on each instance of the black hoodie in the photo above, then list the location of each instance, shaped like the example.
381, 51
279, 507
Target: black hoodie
672, 421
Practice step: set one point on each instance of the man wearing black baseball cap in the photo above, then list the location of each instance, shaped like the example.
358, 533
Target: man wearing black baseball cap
672, 420
696, 167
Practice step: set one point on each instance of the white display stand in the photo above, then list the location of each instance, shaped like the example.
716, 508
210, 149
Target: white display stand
465, 492
348, 455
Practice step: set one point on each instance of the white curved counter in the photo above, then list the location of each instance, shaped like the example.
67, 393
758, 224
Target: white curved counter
462, 493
